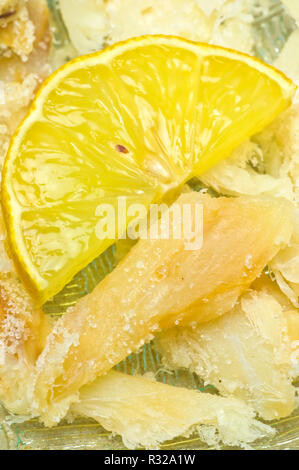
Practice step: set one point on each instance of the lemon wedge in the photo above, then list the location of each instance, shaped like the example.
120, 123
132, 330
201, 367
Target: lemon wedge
135, 120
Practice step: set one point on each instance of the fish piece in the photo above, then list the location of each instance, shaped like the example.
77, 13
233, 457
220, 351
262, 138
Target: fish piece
160, 284
246, 354
146, 413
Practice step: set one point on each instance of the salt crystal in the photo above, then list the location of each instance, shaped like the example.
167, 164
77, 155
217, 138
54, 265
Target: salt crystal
248, 261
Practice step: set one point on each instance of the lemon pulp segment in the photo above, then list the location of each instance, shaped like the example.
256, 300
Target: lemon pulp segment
135, 120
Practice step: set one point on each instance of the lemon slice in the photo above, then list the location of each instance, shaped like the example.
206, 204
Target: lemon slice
135, 120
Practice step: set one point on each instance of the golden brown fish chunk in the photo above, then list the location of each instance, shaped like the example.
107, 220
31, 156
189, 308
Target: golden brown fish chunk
24, 64
160, 284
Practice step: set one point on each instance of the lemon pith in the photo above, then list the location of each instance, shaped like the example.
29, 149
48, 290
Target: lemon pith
134, 120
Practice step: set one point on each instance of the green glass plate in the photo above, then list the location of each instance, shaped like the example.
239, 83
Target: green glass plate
271, 31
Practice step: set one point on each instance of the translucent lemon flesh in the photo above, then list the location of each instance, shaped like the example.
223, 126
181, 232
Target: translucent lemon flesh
135, 120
